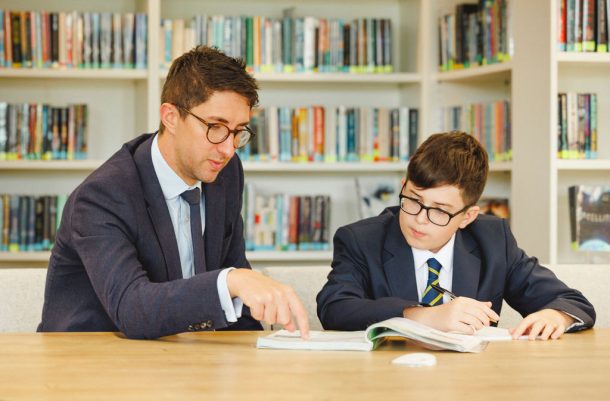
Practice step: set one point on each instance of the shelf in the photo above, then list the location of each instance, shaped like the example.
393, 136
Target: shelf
500, 166
75, 73
389, 78
485, 72
55, 165
266, 167
595, 164
589, 58
23, 257
345, 167
259, 256
294, 256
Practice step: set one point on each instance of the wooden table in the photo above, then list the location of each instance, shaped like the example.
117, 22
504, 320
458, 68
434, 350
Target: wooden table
227, 366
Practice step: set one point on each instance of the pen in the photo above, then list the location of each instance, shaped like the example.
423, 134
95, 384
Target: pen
440, 289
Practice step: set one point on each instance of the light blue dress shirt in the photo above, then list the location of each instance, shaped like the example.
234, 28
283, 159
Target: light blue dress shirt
180, 213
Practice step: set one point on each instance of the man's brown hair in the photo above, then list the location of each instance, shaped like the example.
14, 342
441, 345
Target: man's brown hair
450, 158
197, 74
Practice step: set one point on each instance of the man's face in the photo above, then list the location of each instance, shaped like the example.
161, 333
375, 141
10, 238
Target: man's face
419, 231
196, 158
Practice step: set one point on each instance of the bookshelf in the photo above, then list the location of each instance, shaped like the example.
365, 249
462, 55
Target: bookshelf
125, 103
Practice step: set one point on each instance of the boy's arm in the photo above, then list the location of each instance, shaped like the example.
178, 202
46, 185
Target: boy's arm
532, 288
345, 301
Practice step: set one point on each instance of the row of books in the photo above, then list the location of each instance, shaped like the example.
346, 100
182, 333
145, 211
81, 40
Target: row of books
40, 39
285, 222
590, 217
288, 44
34, 131
332, 134
29, 223
577, 125
475, 34
489, 122
582, 25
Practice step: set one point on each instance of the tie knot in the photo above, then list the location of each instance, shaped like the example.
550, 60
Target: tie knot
192, 196
433, 263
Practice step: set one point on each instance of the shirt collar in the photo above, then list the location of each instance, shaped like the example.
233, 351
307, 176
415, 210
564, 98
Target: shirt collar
444, 256
171, 184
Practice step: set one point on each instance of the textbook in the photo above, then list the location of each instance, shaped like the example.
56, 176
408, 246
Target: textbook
374, 335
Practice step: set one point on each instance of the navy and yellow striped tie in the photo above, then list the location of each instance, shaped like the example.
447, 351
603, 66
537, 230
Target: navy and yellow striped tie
431, 296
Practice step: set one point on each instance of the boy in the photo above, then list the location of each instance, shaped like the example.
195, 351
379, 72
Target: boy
386, 266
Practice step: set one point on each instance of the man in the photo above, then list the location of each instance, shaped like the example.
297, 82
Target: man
151, 243
393, 264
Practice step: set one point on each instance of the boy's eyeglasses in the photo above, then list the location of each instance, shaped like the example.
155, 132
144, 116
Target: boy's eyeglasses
218, 132
436, 216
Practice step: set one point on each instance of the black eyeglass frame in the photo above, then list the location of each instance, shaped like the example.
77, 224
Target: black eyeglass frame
230, 131
428, 208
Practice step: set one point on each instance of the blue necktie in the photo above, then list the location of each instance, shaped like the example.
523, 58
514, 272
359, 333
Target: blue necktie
193, 197
431, 296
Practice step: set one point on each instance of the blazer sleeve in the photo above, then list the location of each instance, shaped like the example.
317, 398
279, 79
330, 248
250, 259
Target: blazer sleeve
104, 230
346, 302
531, 287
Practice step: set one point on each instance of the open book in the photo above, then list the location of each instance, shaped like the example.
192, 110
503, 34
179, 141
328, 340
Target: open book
370, 338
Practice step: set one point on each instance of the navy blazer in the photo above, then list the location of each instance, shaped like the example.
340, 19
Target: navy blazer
115, 265
373, 274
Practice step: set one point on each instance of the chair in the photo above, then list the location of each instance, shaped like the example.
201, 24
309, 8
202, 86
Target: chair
307, 281
21, 298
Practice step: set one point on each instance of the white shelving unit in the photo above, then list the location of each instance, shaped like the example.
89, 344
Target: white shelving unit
124, 104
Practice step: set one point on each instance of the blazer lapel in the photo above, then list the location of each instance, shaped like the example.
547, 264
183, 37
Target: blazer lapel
214, 222
466, 266
399, 266
157, 210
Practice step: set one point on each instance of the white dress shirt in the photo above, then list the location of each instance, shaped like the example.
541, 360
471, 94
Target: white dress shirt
179, 211
445, 277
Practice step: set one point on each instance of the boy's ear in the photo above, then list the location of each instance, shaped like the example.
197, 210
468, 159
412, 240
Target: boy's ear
469, 215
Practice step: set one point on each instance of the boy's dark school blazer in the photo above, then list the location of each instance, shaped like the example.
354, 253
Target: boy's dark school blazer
115, 265
373, 274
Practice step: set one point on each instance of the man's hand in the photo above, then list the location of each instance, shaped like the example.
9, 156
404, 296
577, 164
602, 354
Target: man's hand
542, 325
462, 315
269, 300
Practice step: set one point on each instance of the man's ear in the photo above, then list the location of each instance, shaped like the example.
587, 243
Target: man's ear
469, 215
169, 117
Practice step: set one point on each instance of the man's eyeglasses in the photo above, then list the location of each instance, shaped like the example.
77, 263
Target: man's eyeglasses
436, 216
218, 132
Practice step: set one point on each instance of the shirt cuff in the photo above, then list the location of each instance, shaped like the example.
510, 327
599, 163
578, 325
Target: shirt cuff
578, 322
231, 307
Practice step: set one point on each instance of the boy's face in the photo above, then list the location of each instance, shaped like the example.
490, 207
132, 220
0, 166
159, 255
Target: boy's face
419, 231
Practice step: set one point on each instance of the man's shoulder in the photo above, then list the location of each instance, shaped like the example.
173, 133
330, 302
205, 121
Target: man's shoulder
119, 173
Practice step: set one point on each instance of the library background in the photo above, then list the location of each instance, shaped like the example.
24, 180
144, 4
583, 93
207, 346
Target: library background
348, 90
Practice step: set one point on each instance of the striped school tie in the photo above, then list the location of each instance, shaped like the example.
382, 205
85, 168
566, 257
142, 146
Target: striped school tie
431, 296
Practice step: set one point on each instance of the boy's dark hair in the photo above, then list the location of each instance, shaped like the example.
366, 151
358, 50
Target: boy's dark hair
197, 74
450, 158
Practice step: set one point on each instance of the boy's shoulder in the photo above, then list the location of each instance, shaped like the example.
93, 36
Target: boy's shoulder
371, 226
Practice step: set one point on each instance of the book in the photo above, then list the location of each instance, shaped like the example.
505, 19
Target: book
373, 336
590, 217
495, 206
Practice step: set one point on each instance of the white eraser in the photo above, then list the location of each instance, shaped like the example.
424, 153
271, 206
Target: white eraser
416, 359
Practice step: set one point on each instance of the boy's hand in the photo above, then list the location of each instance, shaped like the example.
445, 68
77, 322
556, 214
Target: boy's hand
542, 325
462, 315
